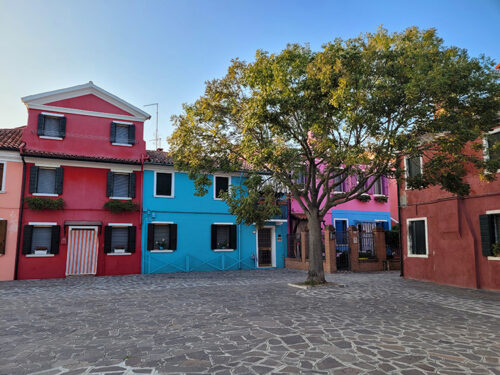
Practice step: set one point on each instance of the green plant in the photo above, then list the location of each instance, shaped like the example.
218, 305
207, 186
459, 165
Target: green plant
117, 206
381, 198
495, 249
42, 203
364, 198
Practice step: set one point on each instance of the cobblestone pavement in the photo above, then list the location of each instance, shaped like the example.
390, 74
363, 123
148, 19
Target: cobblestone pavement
246, 322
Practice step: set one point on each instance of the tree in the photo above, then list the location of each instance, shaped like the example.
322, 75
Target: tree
310, 120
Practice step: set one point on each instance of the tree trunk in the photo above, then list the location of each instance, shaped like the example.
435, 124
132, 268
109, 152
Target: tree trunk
316, 273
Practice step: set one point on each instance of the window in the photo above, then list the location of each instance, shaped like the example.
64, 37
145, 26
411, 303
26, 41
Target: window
493, 145
121, 185
378, 186
41, 239
162, 236
119, 239
224, 237
46, 181
413, 166
3, 235
417, 237
221, 185
164, 184
122, 133
51, 126
2, 177
490, 232
339, 186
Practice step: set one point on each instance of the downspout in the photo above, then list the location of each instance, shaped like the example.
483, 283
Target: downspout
140, 211
239, 232
402, 273
21, 210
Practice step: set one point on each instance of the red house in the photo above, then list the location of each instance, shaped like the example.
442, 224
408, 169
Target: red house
83, 148
450, 240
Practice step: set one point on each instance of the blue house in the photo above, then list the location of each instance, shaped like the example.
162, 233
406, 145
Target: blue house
182, 232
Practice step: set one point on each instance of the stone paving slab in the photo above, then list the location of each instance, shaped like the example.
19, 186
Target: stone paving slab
246, 322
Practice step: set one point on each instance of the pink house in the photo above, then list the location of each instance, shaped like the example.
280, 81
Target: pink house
11, 172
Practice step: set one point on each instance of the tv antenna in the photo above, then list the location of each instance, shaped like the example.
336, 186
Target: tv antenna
156, 139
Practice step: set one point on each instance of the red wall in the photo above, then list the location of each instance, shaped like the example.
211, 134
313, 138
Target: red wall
454, 241
84, 192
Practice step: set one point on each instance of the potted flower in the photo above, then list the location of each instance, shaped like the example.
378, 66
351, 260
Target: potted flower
222, 245
161, 245
495, 249
41, 250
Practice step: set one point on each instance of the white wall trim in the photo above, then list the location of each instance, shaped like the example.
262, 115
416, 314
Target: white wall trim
120, 225
408, 221
83, 112
50, 138
125, 253
122, 144
52, 114
42, 224
223, 250
341, 219
172, 188
493, 212
121, 198
12, 156
161, 251
38, 255
54, 163
494, 258
44, 195
162, 222
223, 223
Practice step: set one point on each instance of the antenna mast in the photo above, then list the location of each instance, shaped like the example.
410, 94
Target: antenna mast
156, 139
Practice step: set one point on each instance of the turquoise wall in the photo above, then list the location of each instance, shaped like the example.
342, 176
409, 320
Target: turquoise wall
194, 217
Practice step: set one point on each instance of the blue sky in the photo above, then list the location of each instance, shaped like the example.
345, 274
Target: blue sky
164, 51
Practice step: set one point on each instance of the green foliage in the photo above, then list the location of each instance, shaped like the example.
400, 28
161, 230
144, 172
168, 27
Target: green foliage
364, 198
117, 206
381, 198
495, 249
42, 203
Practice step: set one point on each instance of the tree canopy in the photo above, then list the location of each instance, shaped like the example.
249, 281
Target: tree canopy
307, 121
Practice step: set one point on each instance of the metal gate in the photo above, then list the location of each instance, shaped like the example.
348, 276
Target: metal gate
265, 247
342, 246
366, 240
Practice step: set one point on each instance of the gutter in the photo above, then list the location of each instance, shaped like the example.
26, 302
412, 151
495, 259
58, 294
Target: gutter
21, 211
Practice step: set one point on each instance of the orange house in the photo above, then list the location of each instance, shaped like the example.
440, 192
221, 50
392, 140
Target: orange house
11, 171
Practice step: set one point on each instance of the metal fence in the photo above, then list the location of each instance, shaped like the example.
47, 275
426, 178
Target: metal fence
367, 245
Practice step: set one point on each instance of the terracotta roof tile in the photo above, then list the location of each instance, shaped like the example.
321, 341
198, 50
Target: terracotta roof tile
58, 155
10, 139
159, 157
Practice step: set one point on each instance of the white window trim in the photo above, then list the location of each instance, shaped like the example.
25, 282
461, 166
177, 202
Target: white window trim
408, 254
44, 195
493, 212
123, 122
38, 255
223, 250
48, 137
2, 188
214, 185
162, 222
161, 251
339, 219
380, 221
125, 253
122, 144
121, 198
171, 188
406, 170
42, 224
120, 225
52, 114
486, 155
493, 258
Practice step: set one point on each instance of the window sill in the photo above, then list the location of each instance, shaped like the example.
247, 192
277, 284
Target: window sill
223, 250
164, 196
379, 195
53, 138
338, 192
417, 255
119, 253
161, 251
39, 255
122, 144
494, 258
45, 195
2, 191
121, 198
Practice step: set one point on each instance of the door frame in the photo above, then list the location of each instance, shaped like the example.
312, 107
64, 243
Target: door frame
96, 230
273, 246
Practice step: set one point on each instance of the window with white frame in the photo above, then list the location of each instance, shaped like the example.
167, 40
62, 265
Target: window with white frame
119, 238
122, 133
164, 184
417, 236
378, 186
51, 125
490, 233
2, 172
338, 184
162, 236
413, 166
41, 239
493, 145
221, 186
223, 237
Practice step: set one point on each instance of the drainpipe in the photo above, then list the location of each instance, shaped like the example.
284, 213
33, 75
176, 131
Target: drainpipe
21, 210
239, 233
402, 273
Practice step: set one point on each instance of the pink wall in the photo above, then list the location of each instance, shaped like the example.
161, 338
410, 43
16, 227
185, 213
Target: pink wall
9, 203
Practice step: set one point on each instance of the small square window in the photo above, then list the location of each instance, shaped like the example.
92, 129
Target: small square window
46, 181
224, 237
164, 184
221, 186
119, 239
417, 237
120, 185
51, 126
122, 134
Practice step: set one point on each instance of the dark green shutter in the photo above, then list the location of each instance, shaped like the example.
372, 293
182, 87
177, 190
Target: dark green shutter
131, 134
151, 236
233, 243
132, 185
41, 125
485, 226
109, 184
33, 179
3, 235
54, 244
131, 239
107, 239
62, 127
59, 180
172, 237
27, 236
214, 236
112, 136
